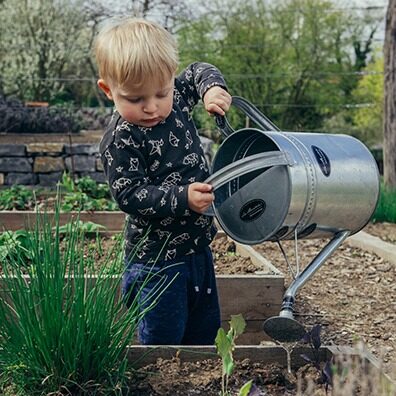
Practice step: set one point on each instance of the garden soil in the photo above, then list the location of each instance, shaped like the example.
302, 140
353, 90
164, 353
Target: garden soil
176, 378
351, 295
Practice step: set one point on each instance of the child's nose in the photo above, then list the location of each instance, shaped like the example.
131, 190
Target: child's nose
150, 106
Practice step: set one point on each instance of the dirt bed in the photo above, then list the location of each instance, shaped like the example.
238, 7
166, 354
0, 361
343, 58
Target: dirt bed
173, 378
352, 294
226, 259
103, 251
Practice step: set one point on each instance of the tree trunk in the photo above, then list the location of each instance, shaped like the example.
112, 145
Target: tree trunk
390, 97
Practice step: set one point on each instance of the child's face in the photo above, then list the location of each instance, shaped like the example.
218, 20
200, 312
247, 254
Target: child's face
146, 105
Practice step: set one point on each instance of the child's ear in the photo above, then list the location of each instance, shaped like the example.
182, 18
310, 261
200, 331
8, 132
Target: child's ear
105, 88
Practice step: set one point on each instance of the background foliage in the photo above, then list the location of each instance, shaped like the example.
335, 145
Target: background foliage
307, 64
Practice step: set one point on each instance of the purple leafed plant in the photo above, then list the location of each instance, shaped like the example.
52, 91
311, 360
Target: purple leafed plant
312, 337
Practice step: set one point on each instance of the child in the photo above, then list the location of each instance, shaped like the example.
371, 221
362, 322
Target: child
155, 166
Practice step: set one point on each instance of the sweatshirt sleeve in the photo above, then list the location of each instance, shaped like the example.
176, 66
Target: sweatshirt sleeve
196, 79
123, 158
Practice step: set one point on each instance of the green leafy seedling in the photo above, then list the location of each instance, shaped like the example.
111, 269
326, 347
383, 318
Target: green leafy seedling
225, 345
13, 243
85, 227
67, 182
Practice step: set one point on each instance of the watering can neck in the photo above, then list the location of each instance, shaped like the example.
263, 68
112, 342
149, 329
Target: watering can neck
247, 165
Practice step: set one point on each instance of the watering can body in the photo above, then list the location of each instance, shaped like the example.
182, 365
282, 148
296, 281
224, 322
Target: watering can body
272, 185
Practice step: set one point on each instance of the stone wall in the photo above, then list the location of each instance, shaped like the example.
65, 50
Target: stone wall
42, 163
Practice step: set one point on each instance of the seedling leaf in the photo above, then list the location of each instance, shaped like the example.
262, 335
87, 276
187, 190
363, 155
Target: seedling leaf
315, 336
245, 390
223, 343
228, 364
238, 324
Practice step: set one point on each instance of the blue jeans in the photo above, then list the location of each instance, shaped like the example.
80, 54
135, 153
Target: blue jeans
187, 308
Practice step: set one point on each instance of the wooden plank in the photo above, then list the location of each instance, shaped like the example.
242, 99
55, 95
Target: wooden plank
142, 355
256, 296
16, 220
253, 334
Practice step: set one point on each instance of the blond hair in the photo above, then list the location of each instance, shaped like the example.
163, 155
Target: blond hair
135, 51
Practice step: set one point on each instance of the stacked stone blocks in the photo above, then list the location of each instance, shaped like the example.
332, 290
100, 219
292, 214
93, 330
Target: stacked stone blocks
43, 163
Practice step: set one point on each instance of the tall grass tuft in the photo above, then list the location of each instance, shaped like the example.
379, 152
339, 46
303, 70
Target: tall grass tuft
386, 208
61, 332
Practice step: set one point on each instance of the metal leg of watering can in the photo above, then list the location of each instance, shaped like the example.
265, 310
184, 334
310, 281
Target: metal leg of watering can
284, 327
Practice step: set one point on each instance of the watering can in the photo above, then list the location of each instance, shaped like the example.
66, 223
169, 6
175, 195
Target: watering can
271, 185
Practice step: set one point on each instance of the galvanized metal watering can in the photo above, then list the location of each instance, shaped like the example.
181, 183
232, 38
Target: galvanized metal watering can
271, 185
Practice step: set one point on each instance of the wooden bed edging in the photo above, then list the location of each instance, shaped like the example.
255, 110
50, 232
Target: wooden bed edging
373, 244
13, 220
256, 297
147, 354
142, 355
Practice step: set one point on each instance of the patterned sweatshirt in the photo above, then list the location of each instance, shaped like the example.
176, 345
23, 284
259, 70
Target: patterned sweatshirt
149, 170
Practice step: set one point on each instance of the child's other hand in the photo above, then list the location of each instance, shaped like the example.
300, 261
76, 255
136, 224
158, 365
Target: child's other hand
217, 100
200, 197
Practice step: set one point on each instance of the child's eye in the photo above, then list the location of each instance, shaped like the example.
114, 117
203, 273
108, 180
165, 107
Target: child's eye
163, 94
134, 100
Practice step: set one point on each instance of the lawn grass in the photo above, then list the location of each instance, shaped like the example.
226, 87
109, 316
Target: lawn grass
386, 208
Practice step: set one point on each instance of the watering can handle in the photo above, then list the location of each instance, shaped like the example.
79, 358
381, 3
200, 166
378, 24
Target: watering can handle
247, 165
251, 111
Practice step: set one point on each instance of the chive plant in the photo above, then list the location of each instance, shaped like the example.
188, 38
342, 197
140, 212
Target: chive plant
63, 330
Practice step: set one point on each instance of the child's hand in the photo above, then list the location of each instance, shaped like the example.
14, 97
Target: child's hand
200, 197
217, 100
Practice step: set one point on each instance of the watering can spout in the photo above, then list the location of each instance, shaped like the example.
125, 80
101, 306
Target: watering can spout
284, 327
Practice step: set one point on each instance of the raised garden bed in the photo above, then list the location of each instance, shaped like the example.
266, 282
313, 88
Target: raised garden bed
247, 284
326, 285
351, 292
197, 370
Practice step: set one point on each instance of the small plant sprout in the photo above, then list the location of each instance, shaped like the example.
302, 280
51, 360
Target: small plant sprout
225, 345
